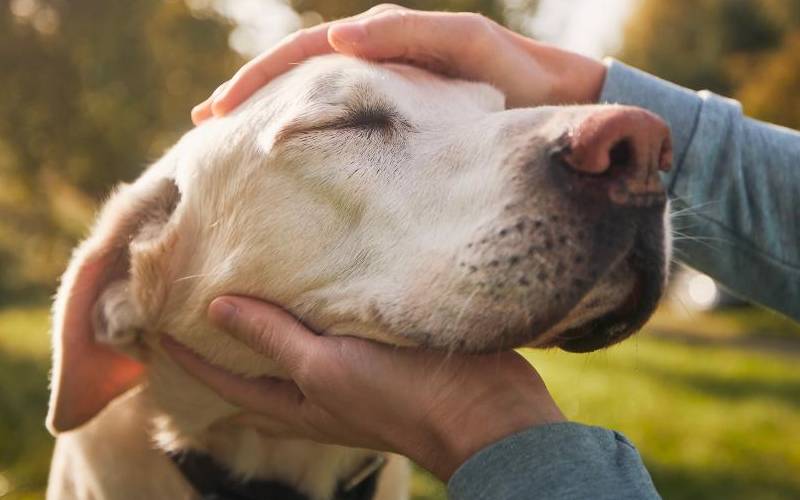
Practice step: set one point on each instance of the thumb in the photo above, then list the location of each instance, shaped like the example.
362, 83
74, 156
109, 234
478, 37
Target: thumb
266, 329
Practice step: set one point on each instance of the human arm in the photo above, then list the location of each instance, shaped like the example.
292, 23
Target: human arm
557, 461
489, 418
735, 188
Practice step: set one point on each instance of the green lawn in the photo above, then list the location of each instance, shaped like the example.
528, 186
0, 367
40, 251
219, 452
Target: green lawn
24, 443
713, 419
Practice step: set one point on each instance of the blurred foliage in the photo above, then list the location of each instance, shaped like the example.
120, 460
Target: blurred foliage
93, 90
746, 49
96, 89
25, 445
343, 8
510, 13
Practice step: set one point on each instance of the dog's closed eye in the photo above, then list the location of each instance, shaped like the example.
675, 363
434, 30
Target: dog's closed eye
370, 117
367, 118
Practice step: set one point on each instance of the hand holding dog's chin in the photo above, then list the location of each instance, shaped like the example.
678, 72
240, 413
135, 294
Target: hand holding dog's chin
497, 402
460, 45
437, 409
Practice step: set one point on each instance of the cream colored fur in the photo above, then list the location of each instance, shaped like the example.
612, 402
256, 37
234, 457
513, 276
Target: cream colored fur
393, 232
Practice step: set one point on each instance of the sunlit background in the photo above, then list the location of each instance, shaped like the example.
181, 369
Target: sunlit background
93, 90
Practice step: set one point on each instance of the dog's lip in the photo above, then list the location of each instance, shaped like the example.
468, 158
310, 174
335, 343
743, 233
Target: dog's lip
621, 322
646, 260
608, 328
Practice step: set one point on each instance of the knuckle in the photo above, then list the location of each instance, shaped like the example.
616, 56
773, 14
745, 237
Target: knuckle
479, 25
385, 7
402, 21
309, 381
318, 366
407, 18
305, 370
476, 18
293, 37
296, 39
247, 68
478, 30
263, 333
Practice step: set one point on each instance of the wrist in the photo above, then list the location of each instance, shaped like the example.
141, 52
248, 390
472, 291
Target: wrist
480, 424
575, 79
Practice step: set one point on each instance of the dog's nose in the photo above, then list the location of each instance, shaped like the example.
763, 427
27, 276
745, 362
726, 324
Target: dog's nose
622, 148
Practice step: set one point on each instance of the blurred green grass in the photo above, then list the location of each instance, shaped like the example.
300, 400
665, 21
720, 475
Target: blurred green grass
713, 419
25, 445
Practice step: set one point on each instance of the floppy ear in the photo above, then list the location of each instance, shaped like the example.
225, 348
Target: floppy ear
95, 307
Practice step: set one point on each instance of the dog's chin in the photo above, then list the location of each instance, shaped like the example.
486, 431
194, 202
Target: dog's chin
621, 321
616, 308
607, 329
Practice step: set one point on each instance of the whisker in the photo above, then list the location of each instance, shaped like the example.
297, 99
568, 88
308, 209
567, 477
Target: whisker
195, 276
701, 238
463, 309
694, 208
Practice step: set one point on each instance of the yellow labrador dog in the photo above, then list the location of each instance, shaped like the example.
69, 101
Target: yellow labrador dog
371, 200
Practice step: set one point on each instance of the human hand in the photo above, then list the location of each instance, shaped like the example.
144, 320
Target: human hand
436, 408
461, 45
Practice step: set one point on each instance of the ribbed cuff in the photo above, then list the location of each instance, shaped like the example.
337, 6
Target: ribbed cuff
556, 461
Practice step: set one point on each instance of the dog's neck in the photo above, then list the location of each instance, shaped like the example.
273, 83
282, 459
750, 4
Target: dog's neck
209, 479
189, 416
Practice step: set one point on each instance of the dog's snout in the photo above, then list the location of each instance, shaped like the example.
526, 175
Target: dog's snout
620, 150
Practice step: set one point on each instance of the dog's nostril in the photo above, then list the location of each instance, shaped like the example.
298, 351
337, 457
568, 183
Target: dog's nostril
621, 154
616, 153
614, 137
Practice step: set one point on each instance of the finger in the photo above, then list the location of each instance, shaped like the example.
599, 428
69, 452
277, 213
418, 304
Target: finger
271, 397
202, 111
289, 52
409, 34
267, 329
259, 71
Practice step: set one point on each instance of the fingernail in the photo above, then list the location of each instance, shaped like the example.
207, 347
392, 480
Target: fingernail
222, 312
350, 32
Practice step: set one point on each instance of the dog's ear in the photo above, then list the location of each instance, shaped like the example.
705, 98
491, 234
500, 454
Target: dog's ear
97, 307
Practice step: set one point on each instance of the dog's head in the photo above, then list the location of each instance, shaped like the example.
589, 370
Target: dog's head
379, 201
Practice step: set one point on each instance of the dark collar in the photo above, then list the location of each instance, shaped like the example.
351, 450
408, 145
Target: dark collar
213, 481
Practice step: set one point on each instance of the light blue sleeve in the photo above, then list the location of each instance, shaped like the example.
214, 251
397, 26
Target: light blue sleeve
555, 462
734, 186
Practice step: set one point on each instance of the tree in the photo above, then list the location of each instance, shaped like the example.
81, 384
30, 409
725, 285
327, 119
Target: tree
746, 49
96, 89
335, 10
769, 87
93, 90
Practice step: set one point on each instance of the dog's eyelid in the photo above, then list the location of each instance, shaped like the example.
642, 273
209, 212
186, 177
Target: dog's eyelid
367, 116
376, 116
334, 104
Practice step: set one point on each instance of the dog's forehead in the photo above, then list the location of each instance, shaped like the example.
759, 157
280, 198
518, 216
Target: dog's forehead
321, 85
337, 78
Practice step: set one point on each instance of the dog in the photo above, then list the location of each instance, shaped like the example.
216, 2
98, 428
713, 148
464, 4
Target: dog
375, 200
